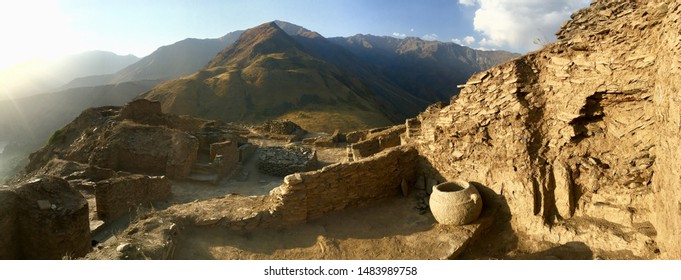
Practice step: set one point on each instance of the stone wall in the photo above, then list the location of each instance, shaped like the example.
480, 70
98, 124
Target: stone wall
667, 169
117, 196
309, 195
281, 161
9, 245
568, 134
376, 142
146, 149
141, 110
43, 219
246, 151
229, 154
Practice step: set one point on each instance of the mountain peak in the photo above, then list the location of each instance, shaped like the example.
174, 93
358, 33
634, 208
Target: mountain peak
262, 39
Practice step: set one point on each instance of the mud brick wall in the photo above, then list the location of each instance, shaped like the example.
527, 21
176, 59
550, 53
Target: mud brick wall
310, 195
56, 228
115, 197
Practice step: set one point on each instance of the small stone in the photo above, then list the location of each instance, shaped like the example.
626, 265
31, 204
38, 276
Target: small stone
405, 188
44, 204
54, 207
293, 179
123, 247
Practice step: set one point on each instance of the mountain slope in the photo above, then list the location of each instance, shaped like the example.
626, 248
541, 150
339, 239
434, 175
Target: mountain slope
266, 74
167, 62
428, 69
42, 76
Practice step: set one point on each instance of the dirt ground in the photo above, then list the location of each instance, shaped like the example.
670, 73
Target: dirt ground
390, 229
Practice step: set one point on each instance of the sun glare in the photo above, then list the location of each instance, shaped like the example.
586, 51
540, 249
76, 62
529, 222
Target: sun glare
34, 29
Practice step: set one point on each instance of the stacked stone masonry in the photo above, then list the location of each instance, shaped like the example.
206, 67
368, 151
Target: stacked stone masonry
309, 195
43, 218
281, 161
577, 131
118, 196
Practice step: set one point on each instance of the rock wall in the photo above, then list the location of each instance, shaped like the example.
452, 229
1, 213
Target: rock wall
309, 195
9, 245
378, 141
667, 169
118, 196
229, 155
43, 219
571, 135
281, 161
146, 149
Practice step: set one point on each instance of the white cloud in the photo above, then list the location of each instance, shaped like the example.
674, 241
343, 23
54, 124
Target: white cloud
467, 2
429, 37
412, 30
399, 35
517, 24
466, 41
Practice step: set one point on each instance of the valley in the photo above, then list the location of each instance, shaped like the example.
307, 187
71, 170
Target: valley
289, 145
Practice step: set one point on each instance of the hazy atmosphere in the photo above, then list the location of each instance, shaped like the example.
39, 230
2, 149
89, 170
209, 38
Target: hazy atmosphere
340, 130
50, 28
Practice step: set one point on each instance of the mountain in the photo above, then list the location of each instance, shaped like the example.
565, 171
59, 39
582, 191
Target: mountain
41, 76
266, 74
167, 62
428, 69
281, 70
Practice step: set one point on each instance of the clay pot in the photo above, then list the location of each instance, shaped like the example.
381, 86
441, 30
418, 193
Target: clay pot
455, 203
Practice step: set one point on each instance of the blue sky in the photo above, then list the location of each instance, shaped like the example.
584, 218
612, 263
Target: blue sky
50, 28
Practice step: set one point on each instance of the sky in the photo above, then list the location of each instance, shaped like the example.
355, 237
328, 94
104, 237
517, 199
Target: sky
50, 28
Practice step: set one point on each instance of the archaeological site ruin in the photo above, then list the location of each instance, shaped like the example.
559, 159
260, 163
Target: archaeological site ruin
572, 151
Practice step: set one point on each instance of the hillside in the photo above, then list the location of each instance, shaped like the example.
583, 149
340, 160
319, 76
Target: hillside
266, 74
42, 76
27, 123
165, 63
428, 69
281, 70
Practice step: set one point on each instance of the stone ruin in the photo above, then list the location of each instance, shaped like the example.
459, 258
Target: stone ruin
43, 218
577, 142
281, 161
284, 129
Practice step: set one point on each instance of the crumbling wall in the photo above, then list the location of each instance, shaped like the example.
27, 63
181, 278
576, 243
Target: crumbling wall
281, 161
9, 245
142, 111
117, 196
376, 142
43, 219
566, 134
183, 153
309, 195
146, 149
667, 169
229, 155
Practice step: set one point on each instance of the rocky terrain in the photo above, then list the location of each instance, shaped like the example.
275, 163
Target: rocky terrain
573, 148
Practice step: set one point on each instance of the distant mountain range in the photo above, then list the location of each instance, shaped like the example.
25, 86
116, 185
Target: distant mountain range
41, 76
167, 62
